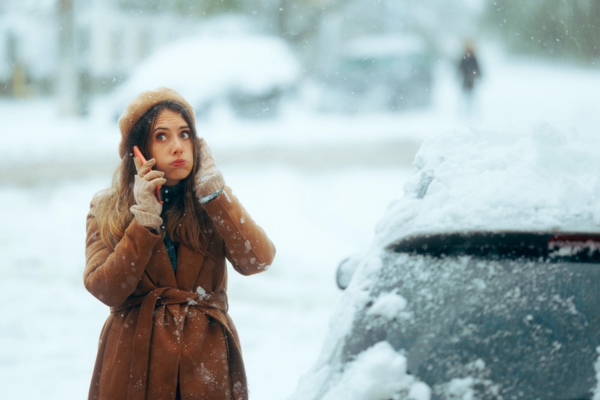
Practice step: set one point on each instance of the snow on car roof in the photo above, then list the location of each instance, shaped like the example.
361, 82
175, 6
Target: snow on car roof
473, 180
206, 66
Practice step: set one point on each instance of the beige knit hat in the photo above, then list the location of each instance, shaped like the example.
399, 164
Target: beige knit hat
142, 103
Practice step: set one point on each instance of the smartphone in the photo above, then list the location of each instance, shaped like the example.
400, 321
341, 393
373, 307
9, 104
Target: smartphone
137, 153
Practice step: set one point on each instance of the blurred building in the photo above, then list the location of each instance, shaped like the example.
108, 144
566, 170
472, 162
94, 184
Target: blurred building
106, 41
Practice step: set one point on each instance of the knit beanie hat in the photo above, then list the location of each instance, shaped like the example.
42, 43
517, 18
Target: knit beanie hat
140, 105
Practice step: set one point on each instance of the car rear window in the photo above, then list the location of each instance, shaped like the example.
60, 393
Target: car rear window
506, 245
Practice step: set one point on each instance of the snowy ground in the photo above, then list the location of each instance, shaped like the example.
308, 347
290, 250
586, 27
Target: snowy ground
316, 183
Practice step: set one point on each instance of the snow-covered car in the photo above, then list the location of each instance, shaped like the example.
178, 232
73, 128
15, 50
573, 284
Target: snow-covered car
380, 72
248, 73
483, 280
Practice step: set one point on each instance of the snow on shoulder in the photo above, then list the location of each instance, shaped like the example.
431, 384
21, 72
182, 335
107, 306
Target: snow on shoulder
476, 180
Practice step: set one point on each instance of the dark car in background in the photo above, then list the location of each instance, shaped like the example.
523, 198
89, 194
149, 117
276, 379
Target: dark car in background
380, 73
516, 312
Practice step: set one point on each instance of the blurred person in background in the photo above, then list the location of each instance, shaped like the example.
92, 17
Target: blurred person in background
160, 265
470, 73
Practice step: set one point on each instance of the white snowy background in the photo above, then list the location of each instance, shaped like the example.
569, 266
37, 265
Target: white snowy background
317, 183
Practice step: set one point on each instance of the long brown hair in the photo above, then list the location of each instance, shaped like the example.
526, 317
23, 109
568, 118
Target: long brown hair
185, 219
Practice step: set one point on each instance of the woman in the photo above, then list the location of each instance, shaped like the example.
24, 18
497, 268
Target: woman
161, 267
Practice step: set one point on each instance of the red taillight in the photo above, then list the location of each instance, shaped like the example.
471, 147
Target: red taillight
574, 246
574, 238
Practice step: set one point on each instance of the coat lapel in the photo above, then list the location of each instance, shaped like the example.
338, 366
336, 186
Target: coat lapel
189, 264
159, 267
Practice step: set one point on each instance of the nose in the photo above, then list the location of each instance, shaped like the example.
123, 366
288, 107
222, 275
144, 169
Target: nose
177, 146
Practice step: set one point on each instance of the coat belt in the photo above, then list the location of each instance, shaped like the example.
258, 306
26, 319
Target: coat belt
212, 304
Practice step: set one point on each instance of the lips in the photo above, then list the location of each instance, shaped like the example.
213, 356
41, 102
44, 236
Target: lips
179, 163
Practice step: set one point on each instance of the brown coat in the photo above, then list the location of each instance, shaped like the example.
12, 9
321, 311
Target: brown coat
167, 330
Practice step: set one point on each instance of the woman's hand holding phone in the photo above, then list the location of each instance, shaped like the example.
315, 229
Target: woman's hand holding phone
148, 208
142, 163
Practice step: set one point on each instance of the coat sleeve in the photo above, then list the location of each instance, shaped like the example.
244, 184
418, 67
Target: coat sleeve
247, 246
112, 275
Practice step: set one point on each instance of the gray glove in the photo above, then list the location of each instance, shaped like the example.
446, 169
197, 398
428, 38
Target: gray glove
147, 208
209, 182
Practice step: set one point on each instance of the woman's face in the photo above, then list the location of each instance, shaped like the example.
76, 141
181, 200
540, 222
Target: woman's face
172, 146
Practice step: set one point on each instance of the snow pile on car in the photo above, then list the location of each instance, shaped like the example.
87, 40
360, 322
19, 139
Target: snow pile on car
477, 180
206, 67
375, 374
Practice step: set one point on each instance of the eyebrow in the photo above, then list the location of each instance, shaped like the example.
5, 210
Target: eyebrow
157, 128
